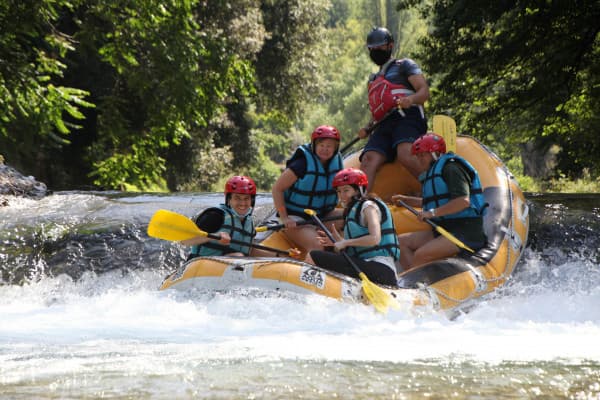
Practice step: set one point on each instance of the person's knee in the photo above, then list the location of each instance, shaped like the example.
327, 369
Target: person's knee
411, 240
371, 159
365, 162
404, 153
420, 256
402, 240
406, 160
311, 240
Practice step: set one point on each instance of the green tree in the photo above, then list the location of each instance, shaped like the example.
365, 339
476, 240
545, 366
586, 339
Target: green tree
36, 112
347, 66
170, 72
288, 78
289, 64
515, 72
172, 80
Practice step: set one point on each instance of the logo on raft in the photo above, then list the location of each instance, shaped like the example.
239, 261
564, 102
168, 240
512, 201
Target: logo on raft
313, 277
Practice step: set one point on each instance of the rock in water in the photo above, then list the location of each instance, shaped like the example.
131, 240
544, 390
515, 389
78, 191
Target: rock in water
12, 182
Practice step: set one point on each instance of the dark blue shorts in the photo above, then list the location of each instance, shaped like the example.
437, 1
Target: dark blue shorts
394, 130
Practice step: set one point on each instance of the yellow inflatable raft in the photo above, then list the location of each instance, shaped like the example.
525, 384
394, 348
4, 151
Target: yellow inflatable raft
450, 284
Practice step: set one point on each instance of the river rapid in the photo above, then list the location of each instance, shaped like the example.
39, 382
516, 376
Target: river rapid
81, 317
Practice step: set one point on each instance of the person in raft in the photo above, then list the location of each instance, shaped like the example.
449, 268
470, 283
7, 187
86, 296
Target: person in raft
452, 197
232, 220
369, 233
307, 183
397, 93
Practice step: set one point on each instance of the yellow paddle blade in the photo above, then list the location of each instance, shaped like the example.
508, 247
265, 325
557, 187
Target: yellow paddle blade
445, 126
453, 239
380, 299
169, 225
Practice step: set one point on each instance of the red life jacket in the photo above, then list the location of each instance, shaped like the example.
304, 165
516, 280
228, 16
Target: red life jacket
383, 93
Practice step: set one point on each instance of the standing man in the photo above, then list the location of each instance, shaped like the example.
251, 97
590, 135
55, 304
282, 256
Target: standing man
397, 94
452, 197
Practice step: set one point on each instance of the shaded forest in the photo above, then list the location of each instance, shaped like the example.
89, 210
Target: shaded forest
176, 94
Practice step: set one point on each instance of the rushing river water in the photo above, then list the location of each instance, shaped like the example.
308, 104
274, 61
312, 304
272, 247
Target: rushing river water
81, 317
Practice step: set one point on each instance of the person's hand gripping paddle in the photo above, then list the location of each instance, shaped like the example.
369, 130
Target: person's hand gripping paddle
169, 225
380, 299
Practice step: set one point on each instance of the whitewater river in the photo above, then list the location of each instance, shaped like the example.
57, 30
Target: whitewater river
81, 318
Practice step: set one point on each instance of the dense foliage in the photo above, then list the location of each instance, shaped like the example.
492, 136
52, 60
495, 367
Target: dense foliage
170, 80
36, 110
178, 93
520, 73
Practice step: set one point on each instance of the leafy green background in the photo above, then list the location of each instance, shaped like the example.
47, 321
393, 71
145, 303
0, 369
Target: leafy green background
177, 94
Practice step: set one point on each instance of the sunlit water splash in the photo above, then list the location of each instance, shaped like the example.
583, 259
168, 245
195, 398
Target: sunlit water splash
81, 318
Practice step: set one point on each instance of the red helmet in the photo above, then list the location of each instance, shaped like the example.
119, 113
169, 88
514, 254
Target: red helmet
241, 185
325, 132
350, 176
429, 143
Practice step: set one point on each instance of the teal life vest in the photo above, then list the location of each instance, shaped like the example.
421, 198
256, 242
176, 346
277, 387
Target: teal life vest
241, 229
435, 190
315, 189
387, 247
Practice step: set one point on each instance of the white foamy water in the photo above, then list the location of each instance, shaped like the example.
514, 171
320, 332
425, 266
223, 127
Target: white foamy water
114, 307
114, 335
85, 338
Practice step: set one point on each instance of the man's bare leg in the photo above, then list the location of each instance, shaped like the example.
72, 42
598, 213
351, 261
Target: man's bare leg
404, 154
409, 243
369, 164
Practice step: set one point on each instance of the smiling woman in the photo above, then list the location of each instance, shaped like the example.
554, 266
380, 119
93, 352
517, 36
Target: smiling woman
369, 245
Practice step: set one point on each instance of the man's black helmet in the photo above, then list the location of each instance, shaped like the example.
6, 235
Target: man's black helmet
378, 37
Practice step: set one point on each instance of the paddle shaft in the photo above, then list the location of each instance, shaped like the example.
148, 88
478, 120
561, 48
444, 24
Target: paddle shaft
438, 228
370, 128
305, 222
412, 210
330, 236
349, 144
256, 246
376, 295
